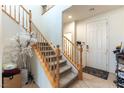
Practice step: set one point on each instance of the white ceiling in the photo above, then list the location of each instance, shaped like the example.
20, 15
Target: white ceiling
81, 12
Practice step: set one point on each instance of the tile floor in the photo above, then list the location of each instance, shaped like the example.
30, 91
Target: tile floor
89, 81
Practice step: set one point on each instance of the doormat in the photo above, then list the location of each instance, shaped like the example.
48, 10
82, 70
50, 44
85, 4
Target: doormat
96, 72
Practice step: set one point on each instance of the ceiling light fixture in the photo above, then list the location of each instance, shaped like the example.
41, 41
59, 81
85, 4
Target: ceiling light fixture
91, 9
69, 17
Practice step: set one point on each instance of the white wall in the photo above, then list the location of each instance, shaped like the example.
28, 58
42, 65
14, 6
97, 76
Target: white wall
10, 29
115, 32
39, 74
0, 47
70, 27
50, 24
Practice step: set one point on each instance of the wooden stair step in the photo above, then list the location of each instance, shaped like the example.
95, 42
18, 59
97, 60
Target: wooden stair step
45, 48
52, 56
68, 79
47, 51
61, 63
43, 43
65, 69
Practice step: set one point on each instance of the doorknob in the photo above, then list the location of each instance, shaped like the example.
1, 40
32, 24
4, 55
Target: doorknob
87, 48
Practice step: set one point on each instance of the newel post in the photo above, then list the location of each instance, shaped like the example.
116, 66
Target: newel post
30, 18
80, 73
57, 66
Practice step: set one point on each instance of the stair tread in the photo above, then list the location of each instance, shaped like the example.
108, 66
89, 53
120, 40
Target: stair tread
67, 79
61, 61
47, 50
51, 56
46, 46
65, 68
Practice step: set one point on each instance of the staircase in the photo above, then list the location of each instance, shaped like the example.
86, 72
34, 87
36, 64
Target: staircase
55, 62
66, 75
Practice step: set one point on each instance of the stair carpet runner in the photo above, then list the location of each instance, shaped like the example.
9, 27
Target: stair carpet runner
67, 75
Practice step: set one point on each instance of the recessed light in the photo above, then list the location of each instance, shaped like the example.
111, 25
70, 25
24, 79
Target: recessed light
70, 17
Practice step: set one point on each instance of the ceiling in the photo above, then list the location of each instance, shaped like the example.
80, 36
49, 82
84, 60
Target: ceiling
81, 12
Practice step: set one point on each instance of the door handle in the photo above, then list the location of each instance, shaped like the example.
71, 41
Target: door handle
87, 48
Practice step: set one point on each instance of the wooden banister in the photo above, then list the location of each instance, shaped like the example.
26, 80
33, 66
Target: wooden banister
19, 14
30, 17
73, 53
51, 67
25, 9
80, 76
57, 69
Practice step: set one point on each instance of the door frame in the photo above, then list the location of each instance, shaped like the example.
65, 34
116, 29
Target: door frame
107, 39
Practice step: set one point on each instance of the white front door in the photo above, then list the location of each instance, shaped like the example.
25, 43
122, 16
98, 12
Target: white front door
97, 44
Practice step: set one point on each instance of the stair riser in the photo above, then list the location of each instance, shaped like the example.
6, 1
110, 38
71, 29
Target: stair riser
43, 44
48, 53
71, 82
50, 56
63, 64
60, 64
45, 48
65, 72
50, 59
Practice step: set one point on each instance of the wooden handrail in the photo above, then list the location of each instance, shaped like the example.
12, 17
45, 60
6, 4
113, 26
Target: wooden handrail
43, 36
73, 53
25, 9
80, 76
53, 70
30, 22
15, 14
71, 42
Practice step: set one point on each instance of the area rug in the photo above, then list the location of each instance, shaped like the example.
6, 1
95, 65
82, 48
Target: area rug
96, 72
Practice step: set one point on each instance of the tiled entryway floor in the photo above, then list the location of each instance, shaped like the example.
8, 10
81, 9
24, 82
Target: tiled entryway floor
89, 81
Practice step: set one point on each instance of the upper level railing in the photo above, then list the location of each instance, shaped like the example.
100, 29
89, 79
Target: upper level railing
73, 53
19, 14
